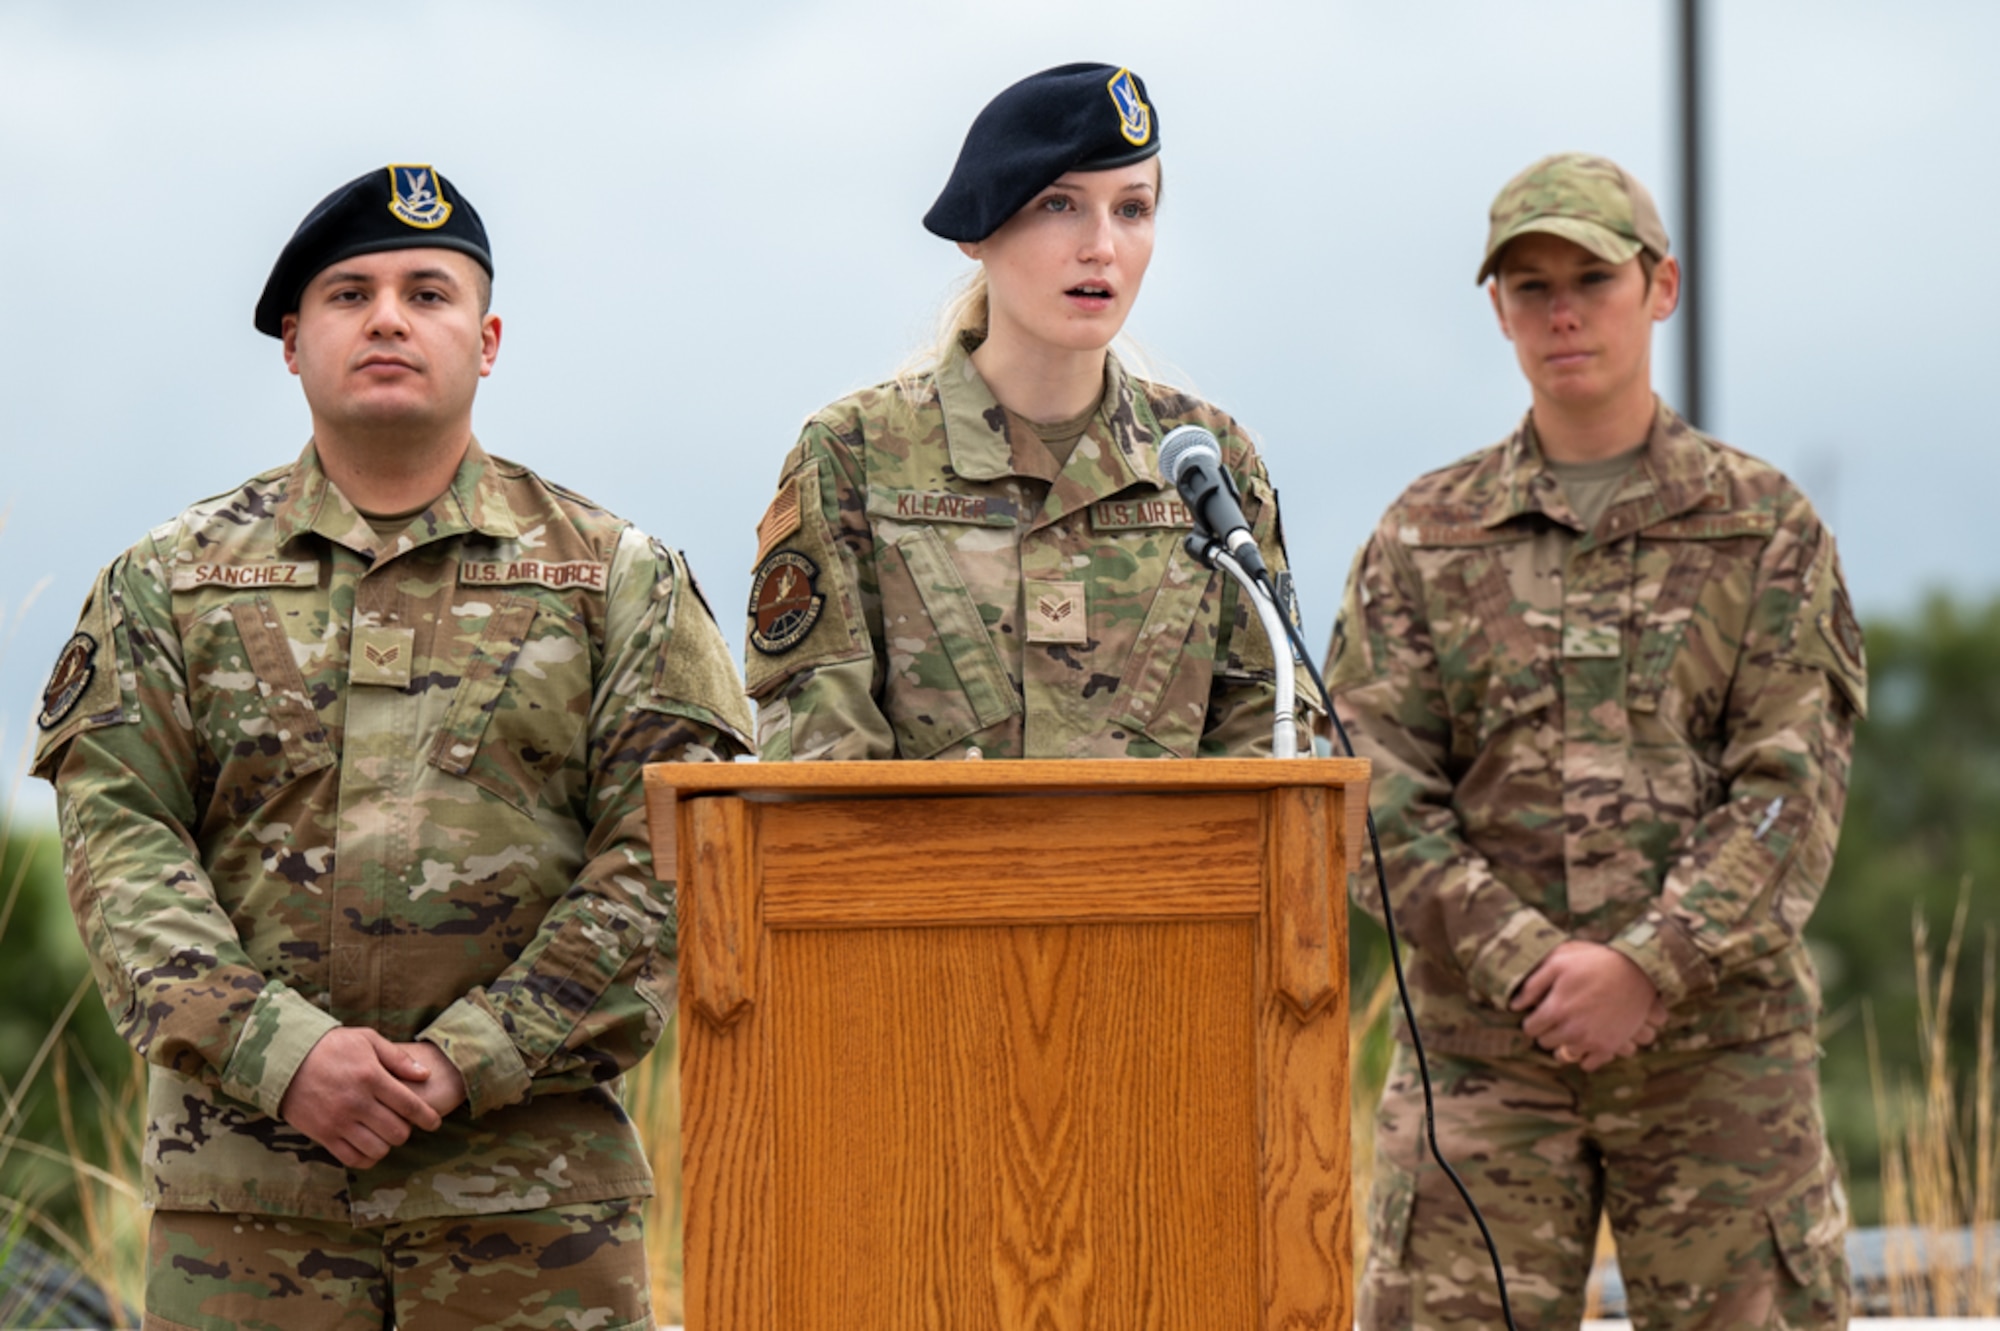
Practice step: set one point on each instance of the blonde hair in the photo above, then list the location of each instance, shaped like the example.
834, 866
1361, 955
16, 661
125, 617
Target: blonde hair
965, 316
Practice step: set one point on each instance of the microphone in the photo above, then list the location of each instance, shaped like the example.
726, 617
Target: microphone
1192, 461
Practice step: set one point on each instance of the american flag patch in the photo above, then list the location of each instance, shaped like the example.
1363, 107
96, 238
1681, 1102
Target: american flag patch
781, 519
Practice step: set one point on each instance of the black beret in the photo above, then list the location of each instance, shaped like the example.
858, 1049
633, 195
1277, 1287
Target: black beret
401, 207
1070, 118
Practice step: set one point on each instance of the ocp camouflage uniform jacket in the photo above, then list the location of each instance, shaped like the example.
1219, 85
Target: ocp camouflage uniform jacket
306, 783
1637, 736
962, 603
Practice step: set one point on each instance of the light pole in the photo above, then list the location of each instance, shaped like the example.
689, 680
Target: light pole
1694, 274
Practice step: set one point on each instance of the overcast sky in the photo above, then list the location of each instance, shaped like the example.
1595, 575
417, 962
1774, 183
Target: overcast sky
706, 225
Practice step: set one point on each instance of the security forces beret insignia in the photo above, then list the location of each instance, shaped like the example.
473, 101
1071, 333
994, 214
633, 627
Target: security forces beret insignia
75, 668
1071, 118
415, 198
403, 206
784, 602
1135, 118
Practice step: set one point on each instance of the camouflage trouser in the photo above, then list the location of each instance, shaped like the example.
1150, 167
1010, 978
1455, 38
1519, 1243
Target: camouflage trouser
1713, 1166
571, 1268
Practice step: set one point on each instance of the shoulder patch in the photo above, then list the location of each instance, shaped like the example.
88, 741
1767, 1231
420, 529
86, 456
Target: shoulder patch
781, 519
1288, 598
695, 676
1348, 658
784, 602
1826, 634
694, 584
85, 690
76, 667
1842, 635
783, 638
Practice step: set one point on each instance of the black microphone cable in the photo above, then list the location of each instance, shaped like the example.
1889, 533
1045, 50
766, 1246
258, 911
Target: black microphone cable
1191, 459
1396, 960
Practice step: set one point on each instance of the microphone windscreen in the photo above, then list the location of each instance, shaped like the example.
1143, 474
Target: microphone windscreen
1182, 443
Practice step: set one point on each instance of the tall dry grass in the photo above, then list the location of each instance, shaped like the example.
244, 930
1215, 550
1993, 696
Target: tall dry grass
95, 1173
92, 1170
1940, 1149
1369, 1024
653, 1098
101, 1175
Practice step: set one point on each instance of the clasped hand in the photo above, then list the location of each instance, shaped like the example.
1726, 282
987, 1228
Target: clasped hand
359, 1094
1589, 1004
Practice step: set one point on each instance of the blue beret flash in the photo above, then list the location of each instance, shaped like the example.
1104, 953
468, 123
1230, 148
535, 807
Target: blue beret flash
1070, 118
403, 206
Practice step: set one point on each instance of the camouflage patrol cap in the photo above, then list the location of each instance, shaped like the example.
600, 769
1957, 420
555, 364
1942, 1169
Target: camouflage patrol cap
1070, 118
403, 206
1589, 200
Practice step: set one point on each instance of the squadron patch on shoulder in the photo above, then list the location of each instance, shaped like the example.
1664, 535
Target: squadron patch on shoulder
1288, 599
784, 602
1843, 634
1135, 118
75, 668
414, 197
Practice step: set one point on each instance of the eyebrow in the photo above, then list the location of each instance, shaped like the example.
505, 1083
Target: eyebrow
334, 275
1069, 188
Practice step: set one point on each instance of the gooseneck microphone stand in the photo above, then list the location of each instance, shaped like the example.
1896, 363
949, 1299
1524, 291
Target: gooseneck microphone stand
1284, 723
1278, 627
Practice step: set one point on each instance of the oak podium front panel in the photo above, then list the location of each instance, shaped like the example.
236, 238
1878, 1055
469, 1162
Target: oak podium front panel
1053, 1045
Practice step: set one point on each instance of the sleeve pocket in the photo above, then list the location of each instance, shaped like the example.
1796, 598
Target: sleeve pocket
1809, 1226
1390, 1202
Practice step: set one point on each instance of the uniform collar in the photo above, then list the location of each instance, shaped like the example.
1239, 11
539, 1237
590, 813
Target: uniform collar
1120, 449
1676, 473
476, 500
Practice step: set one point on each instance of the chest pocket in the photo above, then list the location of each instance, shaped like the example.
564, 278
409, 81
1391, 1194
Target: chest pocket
522, 699
1497, 652
1169, 675
1692, 608
251, 705
1665, 609
943, 679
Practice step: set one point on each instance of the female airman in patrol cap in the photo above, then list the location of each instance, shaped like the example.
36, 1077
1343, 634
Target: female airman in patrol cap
1608, 676
981, 558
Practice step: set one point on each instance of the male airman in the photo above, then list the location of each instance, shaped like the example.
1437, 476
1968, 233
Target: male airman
348, 765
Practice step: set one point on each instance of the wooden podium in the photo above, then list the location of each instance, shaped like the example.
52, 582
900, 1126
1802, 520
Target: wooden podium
1014, 1045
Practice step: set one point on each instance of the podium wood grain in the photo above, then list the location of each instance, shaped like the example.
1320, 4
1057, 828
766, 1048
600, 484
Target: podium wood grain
988, 1059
